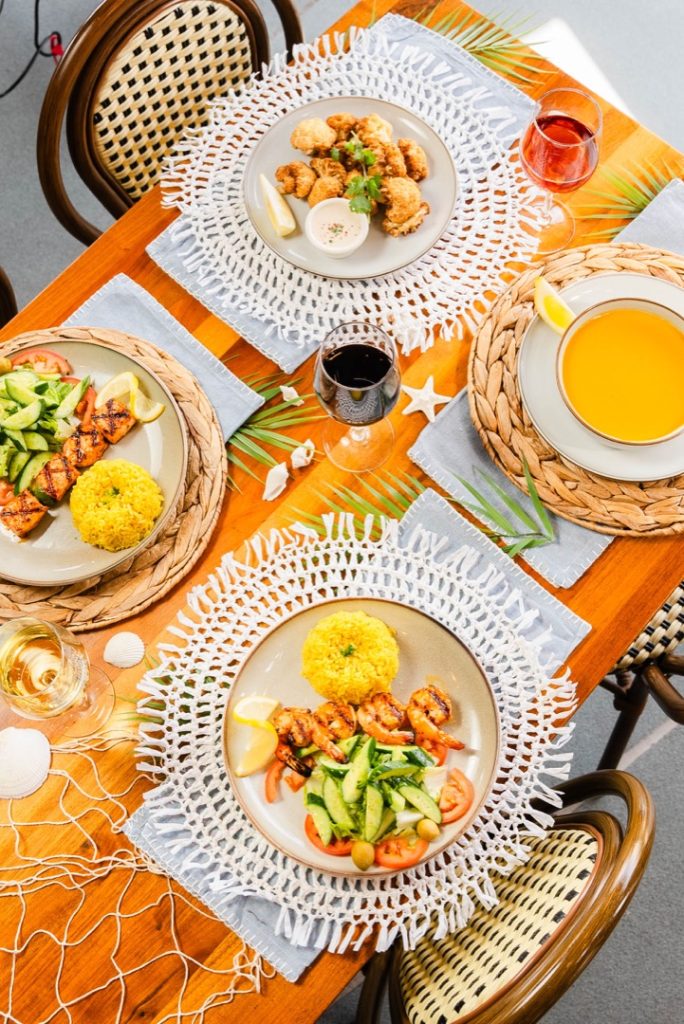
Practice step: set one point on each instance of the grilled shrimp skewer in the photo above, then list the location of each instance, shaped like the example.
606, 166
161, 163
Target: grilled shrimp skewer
427, 709
295, 728
334, 720
381, 716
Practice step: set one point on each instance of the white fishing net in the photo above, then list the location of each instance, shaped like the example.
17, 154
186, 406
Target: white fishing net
443, 290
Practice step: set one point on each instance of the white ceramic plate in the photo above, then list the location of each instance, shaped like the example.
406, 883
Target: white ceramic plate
53, 554
380, 254
551, 416
425, 648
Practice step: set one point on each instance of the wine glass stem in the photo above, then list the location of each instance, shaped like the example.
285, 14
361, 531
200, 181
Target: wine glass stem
547, 205
360, 435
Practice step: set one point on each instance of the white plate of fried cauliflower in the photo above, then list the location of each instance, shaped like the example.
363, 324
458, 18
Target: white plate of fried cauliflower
383, 158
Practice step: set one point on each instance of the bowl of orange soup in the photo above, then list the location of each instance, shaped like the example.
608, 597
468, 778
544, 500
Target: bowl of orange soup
620, 369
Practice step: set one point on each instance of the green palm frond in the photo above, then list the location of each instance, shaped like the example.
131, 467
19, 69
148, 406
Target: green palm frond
264, 428
633, 190
377, 495
491, 40
502, 528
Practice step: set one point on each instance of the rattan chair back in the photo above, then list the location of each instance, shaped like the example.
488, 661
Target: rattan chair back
138, 75
513, 962
8, 304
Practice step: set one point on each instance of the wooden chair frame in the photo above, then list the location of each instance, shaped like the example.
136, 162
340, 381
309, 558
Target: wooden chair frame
563, 958
8, 303
70, 94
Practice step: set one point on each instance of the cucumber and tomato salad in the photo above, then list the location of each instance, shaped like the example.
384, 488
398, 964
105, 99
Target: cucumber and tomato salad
41, 405
384, 805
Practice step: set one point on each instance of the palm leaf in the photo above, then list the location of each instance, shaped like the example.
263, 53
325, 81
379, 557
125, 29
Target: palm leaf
633, 189
493, 44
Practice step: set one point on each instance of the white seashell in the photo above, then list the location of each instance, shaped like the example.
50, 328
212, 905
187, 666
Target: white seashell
124, 650
276, 481
289, 394
24, 762
303, 455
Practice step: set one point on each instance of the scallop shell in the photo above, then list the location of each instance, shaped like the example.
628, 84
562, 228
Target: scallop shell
276, 481
303, 455
124, 650
24, 762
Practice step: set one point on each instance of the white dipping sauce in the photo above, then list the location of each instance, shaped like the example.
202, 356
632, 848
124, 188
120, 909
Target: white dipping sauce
335, 229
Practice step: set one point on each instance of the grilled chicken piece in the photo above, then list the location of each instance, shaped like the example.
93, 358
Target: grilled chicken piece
113, 420
22, 514
85, 446
54, 480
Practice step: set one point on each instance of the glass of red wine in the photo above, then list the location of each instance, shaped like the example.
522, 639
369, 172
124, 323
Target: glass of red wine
559, 152
357, 382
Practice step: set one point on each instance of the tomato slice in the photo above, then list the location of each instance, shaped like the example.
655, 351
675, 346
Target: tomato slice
272, 779
6, 492
295, 781
42, 360
398, 853
336, 847
438, 750
456, 797
86, 407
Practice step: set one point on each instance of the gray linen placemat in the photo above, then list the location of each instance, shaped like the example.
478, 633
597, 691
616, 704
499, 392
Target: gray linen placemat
661, 224
169, 248
559, 630
123, 305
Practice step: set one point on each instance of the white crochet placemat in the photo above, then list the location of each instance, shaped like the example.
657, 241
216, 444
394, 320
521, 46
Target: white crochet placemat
490, 228
193, 807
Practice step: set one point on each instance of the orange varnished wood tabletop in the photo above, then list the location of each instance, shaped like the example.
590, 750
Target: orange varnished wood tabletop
617, 595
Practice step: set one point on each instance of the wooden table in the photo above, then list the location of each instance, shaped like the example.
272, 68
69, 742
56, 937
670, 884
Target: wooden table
617, 595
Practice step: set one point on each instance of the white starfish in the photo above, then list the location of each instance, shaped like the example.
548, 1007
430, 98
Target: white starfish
424, 399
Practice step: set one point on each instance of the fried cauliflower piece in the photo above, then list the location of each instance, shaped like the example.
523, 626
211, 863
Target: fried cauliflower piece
374, 131
393, 162
326, 167
401, 196
325, 188
408, 225
313, 135
296, 178
343, 125
414, 158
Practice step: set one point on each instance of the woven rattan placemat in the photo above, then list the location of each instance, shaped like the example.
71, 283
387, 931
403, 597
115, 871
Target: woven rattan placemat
601, 504
140, 581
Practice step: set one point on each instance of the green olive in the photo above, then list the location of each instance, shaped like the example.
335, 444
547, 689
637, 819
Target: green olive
5, 365
363, 854
426, 829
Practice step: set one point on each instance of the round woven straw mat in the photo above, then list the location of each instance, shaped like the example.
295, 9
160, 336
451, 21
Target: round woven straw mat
608, 506
135, 584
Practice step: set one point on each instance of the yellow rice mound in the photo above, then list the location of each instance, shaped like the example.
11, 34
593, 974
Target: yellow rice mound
115, 504
349, 656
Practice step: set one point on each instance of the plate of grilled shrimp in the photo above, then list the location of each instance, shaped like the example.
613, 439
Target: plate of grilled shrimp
368, 781
52, 431
382, 159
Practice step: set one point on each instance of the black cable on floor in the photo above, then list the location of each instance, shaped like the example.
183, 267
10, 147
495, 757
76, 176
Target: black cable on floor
52, 41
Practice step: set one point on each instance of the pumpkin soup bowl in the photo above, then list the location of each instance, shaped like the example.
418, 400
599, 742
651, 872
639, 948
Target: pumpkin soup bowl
620, 371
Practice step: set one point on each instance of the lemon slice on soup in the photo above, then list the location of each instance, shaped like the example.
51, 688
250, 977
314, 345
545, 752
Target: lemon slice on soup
553, 310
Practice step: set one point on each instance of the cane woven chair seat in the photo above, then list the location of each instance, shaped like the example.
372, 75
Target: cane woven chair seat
663, 633
161, 82
446, 980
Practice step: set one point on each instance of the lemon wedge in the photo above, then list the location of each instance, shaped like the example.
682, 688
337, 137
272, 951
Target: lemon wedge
254, 710
259, 751
120, 387
551, 307
143, 408
279, 212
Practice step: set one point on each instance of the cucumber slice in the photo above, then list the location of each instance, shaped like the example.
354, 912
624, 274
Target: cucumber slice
335, 805
416, 755
321, 818
17, 463
349, 745
31, 470
305, 751
19, 392
424, 803
17, 439
35, 442
375, 806
6, 453
68, 405
386, 825
334, 768
395, 800
393, 769
356, 778
23, 418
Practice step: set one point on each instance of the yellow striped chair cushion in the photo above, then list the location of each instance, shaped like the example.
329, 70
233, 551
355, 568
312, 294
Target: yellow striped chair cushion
445, 980
161, 82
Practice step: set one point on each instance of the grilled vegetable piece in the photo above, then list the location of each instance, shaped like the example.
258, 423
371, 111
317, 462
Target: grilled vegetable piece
54, 480
85, 446
22, 514
113, 420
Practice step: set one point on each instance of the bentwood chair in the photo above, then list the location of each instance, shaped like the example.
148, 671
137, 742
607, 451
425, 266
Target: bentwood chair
136, 76
8, 304
645, 668
512, 963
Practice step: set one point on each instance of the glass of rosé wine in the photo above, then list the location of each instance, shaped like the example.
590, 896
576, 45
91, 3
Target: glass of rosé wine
559, 152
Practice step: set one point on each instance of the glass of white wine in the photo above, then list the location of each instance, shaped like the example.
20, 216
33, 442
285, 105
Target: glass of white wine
45, 672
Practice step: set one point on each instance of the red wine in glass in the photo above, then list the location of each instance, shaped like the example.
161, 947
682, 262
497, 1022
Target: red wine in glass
559, 152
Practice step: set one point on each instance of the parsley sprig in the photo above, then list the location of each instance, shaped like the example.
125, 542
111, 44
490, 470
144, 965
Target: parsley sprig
364, 188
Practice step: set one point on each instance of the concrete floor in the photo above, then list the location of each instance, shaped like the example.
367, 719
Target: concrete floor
630, 51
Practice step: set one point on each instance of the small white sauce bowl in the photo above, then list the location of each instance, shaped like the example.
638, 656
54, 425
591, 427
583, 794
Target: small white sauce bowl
327, 212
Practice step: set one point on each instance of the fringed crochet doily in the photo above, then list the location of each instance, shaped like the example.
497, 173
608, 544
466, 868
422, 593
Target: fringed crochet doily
490, 228
193, 807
